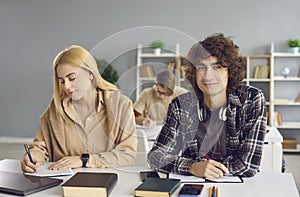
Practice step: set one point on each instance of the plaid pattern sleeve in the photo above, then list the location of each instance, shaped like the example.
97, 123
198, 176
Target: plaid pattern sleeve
166, 153
175, 149
246, 132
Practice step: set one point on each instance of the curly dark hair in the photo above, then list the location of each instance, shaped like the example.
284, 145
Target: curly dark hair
228, 55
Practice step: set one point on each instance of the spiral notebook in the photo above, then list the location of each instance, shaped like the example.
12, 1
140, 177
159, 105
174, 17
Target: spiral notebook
22, 185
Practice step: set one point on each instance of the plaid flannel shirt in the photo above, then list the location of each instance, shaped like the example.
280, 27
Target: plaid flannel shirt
176, 147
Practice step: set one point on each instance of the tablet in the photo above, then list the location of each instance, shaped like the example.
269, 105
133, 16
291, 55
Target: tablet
21, 185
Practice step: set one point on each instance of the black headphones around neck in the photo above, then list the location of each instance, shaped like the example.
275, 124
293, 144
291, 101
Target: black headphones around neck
204, 113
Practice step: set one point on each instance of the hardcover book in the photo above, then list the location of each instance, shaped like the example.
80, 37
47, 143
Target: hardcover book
90, 184
161, 187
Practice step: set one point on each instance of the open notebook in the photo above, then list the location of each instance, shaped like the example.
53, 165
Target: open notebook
193, 179
21, 185
43, 171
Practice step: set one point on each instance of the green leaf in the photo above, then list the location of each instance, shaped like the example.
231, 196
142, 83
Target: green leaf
107, 71
157, 44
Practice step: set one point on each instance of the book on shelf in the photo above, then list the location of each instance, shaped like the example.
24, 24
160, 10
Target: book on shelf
278, 118
282, 101
261, 72
289, 143
147, 71
90, 184
297, 100
171, 66
162, 187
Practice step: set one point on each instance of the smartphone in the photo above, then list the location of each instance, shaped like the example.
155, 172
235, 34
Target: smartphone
191, 190
148, 174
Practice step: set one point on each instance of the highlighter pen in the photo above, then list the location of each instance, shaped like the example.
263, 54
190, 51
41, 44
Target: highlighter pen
210, 192
213, 191
28, 153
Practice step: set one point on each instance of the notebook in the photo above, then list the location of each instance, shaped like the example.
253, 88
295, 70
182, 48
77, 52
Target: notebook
21, 185
43, 171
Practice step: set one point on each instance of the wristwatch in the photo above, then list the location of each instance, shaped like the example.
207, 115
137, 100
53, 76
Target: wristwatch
84, 158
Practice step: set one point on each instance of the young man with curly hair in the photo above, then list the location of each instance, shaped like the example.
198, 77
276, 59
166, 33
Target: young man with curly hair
219, 126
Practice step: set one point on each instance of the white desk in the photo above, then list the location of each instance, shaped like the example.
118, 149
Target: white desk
272, 152
264, 184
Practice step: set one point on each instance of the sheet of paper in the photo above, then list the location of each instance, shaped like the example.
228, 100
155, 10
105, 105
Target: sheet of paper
194, 179
227, 179
151, 131
43, 171
187, 179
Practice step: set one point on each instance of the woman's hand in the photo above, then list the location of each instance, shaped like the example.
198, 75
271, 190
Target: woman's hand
208, 169
27, 166
67, 162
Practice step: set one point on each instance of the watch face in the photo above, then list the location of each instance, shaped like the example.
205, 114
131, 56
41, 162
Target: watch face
85, 156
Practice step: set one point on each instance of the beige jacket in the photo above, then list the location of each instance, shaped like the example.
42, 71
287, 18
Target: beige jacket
149, 104
57, 138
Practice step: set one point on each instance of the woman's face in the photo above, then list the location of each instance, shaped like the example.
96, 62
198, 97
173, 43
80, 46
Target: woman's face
212, 78
75, 81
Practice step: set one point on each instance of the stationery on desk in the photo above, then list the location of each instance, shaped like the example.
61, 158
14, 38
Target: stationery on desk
213, 191
90, 184
28, 153
194, 179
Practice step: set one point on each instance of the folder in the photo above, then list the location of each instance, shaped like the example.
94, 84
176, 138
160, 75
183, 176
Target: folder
22, 185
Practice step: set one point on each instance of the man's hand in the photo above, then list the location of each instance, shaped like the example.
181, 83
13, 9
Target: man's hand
208, 169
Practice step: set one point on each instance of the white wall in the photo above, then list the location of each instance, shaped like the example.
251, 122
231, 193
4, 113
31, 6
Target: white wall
32, 32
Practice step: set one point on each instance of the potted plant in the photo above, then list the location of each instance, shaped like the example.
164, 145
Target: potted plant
294, 44
157, 45
107, 71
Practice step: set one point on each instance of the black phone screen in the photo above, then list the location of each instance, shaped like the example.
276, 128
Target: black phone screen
191, 189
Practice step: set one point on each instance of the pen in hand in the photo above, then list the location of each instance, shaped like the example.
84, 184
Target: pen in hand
28, 153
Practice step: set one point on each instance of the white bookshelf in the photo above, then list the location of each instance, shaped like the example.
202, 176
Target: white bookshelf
284, 92
145, 56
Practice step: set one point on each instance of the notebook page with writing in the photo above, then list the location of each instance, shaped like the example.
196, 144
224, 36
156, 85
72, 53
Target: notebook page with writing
43, 171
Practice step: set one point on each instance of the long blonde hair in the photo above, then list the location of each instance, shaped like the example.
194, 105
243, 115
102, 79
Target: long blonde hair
79, 57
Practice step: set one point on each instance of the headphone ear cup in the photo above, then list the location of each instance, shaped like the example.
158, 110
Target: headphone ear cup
223, 114
203, 114
200, 114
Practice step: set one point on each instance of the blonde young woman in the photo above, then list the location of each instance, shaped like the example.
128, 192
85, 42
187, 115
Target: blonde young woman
88, 123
